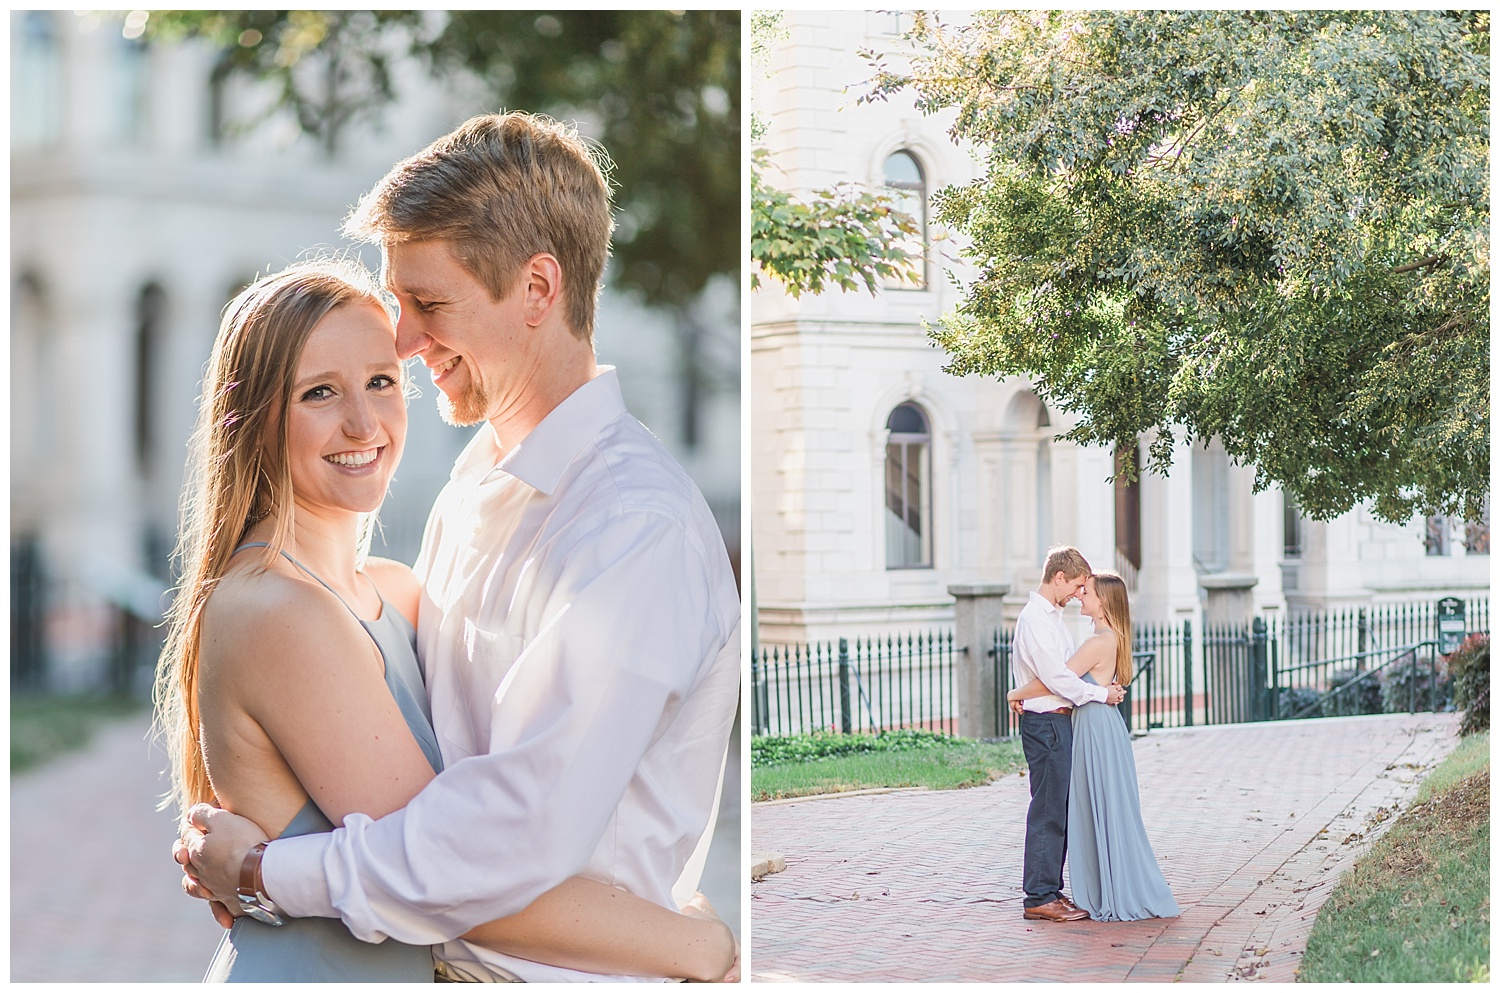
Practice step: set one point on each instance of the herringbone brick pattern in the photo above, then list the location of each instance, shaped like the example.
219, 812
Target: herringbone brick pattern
1252, 825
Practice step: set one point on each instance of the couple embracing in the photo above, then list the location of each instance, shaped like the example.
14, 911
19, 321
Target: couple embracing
499, 765
1085, 801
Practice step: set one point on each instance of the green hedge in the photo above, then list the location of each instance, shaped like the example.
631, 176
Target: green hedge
1470, 668
774, 750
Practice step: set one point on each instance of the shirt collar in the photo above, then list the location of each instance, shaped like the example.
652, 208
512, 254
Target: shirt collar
1046, 604
540, 458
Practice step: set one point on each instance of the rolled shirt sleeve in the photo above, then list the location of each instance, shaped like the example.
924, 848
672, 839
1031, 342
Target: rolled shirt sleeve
624, 632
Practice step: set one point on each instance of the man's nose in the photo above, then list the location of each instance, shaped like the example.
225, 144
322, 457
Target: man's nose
410, 338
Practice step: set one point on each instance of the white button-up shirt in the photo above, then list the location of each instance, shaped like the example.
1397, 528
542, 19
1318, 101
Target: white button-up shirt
1042, 649
579, 634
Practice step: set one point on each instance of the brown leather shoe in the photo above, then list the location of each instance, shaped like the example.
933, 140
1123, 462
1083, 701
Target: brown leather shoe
1073, 906
1057, 910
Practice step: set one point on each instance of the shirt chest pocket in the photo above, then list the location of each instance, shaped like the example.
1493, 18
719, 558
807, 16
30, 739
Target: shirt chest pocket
490, 657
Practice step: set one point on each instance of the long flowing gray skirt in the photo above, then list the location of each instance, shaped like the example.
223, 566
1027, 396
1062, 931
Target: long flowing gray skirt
1110, 863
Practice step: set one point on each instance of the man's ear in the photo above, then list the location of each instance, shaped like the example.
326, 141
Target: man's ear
542, 282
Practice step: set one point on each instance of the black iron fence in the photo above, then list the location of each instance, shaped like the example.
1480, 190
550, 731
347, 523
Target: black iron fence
1364, 660
860, 684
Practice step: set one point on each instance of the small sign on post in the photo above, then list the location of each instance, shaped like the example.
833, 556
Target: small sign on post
1450, 622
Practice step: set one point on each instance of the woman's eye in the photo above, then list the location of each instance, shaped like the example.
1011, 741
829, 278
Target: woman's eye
318, 393
382, 382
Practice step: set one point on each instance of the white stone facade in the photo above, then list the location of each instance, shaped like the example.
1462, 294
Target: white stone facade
827, 371
131, 227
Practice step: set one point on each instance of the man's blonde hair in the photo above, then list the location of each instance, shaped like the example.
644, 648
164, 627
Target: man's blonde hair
501, 189
1067, 560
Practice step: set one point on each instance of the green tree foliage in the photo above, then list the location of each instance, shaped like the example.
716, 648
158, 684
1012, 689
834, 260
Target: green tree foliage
1270, 226
660, 90
841, 237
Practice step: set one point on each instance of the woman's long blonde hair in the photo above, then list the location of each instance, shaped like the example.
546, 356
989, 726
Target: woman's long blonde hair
1116, 602
238, 474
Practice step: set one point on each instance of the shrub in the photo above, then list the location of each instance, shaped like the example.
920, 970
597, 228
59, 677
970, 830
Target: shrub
1396, 682
1361, 699
1300, 701
1470, 667
775, 749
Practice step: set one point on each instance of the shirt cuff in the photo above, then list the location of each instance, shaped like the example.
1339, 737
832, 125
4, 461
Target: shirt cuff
292, 869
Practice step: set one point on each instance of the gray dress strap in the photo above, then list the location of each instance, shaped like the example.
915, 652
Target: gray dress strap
316, 949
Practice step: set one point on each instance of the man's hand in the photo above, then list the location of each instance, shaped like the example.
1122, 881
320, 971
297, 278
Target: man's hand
212, 847
1116, 694
193, 888
1017, 707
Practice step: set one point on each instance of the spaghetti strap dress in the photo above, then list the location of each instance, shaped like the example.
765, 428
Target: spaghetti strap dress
1111, 866
318, 949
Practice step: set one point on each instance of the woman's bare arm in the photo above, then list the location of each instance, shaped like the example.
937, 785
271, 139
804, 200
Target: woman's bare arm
593, 927
1096, 650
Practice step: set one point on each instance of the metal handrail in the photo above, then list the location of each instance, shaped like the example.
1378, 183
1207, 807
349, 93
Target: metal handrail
1359, 679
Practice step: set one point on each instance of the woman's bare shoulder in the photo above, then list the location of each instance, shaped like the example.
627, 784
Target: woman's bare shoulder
397, 584
273, 620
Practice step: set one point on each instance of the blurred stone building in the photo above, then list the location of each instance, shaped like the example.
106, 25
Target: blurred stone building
138, 209
878, 480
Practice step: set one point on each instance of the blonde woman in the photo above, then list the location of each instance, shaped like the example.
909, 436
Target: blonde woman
1112, 868
289, 690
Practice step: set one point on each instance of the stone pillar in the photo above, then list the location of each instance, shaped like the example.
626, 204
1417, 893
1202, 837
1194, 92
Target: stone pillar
1228, 661
1229, 598
977, 613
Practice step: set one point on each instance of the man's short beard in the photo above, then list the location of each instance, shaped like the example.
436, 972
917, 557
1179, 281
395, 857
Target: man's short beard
469, 408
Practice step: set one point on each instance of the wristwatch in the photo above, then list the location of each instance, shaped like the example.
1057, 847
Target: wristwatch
252, 894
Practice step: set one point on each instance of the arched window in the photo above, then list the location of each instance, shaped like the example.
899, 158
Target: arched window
908, 496
908, 192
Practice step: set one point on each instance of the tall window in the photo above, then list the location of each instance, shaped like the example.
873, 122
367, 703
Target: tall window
149, 316
1291, 527
1127, 513
129, 91
908, 192
1436, 538
908, 539
36, 82
1477, 533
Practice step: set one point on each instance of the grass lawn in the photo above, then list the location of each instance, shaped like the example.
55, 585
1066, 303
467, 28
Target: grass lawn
43, 727
1416, 908
952, 764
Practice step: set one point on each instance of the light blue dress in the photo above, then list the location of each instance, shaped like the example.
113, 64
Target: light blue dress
1111, 866
318, 949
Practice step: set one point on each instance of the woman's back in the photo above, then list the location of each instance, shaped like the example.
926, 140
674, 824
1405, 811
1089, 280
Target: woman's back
318, 949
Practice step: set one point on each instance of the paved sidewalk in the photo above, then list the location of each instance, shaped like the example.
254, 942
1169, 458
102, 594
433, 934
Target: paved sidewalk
94, 893
1252, 824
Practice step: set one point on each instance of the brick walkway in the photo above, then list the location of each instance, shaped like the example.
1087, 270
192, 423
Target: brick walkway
1252, 825
94, 893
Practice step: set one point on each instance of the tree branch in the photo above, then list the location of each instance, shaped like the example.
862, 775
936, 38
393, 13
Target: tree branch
1412, 266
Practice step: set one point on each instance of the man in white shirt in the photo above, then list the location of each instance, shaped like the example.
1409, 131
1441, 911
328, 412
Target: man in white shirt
579, 622
1042, 649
